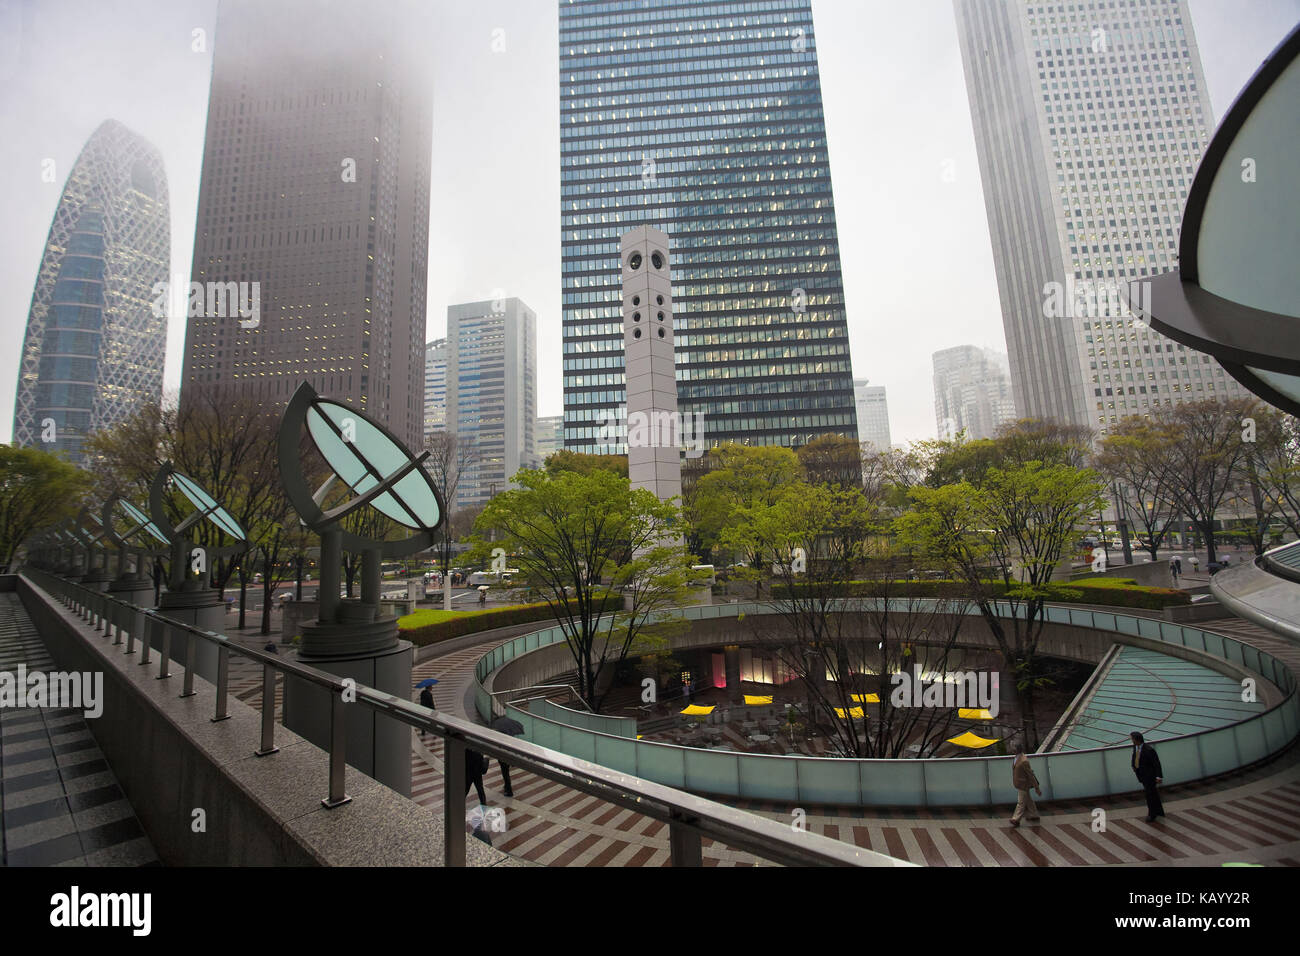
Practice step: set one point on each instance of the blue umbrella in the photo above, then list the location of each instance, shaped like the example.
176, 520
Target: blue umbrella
427, 682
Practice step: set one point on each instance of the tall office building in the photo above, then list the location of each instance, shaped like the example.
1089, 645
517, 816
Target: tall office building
549, 437
492, 393
315, 194
435, 386
703, 118
95, 344
972, 392
1090, 118
872, 411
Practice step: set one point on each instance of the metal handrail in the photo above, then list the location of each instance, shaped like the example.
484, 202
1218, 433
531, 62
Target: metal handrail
689, 818
517, 690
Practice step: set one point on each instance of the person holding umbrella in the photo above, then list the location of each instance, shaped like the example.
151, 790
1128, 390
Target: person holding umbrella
507, 725
426, 695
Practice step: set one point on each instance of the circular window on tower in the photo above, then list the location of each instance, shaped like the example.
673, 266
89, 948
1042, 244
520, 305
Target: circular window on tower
636, 300
636, 316
636, 333
661, 332
659, 300
661, 316
634, 261
657, 260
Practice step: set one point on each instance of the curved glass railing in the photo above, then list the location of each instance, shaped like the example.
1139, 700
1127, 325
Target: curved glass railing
925, 782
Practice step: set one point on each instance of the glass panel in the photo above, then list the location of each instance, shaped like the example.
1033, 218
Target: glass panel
764, 777
890, 782
661, 763
712, 771
827, 781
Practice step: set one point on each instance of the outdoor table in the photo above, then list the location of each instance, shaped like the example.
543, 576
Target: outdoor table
760, 738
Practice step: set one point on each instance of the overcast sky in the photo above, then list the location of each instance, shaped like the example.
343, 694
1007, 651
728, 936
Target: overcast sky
918, 266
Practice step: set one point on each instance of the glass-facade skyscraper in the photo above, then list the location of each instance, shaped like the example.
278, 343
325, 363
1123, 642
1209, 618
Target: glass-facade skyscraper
1090, 119
95, 344
703, 119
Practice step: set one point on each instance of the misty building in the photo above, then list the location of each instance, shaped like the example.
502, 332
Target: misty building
703, 119
435, 386
549, 437
314, 195
492, 393
1090, 119
872, 411
972, 392
95, 345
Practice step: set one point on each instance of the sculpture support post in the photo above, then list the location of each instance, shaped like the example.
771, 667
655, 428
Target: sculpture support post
331, 559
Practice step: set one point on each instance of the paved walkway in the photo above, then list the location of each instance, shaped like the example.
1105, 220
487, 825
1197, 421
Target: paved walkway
1251, 816
62, 806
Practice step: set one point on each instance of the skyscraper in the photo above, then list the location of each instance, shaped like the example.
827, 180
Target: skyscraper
492, 393
549, 440
703, 119
872, 412
1090, 117
315, 186
972, 392
435, 386
95, 346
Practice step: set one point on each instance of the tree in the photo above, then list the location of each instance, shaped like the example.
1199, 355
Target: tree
825, 544
604, 557
37, 490
1003, 538
578, 463
1205, 455
451, 456
1271, 467
739, 476
832, 460
1132, 456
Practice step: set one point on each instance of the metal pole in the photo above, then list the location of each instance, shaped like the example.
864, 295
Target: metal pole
191, 652
338, 744
268, 713
223, 683
684, 844
146, 637
163, 669
453, 802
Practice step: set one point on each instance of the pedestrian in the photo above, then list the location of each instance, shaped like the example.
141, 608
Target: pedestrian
1195, 562
482, 597
1023, 779
1146, 767
1173, 569
475, 766
1178, 565
426, 700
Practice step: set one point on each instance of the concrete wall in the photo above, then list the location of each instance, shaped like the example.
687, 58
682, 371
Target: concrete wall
172, 759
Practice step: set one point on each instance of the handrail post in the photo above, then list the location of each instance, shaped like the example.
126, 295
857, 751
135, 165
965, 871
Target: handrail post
684, 844
117, 624
146, 637
338, 742
137, 629
223, 683
453, 801
268, 713
164, 664
191, 655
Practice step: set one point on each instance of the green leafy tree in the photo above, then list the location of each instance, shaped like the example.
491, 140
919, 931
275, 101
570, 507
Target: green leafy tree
1131, 455
738, 477
606, 558
37, 490
1003, 538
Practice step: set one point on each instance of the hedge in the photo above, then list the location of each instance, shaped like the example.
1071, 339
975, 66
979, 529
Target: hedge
471, 622
1111, 592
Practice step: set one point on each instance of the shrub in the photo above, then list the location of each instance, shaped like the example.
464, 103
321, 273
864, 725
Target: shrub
1112, 592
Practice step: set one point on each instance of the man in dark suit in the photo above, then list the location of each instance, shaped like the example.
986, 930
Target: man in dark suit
426, 700
1146, 767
